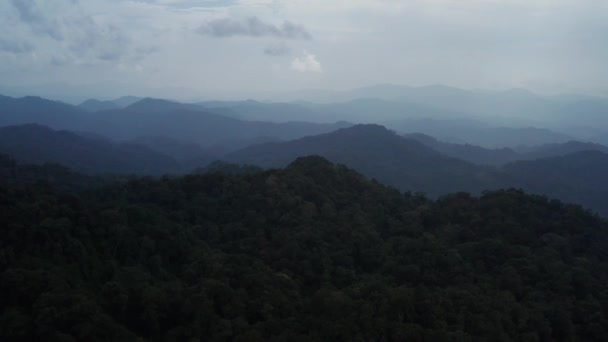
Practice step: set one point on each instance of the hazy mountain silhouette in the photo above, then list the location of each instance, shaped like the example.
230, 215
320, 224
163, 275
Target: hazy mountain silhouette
601, 138
187, 122
125, 101
267, 111
360, 110
31, 109
37, 144
587, 112
477, 133
479, 155
154, 117
579, 177
378, 153
471, 153
189, 155
513, 104
373, 110
93, 105
555, 150
512, 107
411, 165
149, 104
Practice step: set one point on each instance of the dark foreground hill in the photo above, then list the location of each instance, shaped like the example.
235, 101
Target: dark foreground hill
313, 252
59, 177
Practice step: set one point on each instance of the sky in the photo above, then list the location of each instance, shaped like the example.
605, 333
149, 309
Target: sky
208, 49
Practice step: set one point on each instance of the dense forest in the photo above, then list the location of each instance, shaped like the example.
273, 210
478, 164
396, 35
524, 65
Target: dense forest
243, 171
312, 252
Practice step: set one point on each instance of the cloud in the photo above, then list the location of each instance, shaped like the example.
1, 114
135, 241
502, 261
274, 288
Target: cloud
280, 49
252, 27
27, 10
30, 14
71, 35
15, 47
306, 63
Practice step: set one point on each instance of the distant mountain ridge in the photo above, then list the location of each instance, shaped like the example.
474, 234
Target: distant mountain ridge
578, 177
471, 153
126, 101
154, 117
479, 155
404, 116
410, 165
93, 105
378, 153
36, 144
477, 133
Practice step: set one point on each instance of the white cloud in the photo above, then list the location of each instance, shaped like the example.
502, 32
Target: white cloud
306, 63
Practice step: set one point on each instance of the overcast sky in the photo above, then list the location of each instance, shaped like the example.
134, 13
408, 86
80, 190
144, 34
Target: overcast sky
234, 48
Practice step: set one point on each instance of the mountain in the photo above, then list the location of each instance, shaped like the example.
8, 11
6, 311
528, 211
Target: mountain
31, 109
47, 175
148, 105
479, 155
511, 107
93, 105
152, 117
126, 101
411, 165
267, 111
372, 110
601, 139
436, 94
228, 168
478, 133
313, 252
359, 110
382, 103
155, 117
471, 153
381, 154
578, 177
36, 144
517, 106
588, 112
189, 155
555, 150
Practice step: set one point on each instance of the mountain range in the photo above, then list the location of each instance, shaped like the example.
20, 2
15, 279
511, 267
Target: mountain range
498, 156
36, 144
377, 153
449, 114
153, 117
153, 137
411, 165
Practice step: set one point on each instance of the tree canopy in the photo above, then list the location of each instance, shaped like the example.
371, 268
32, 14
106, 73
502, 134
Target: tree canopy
312, 252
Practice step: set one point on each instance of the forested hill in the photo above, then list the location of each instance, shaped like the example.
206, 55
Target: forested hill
38, 144
412, 165
313, 252
379, 153
56, 176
